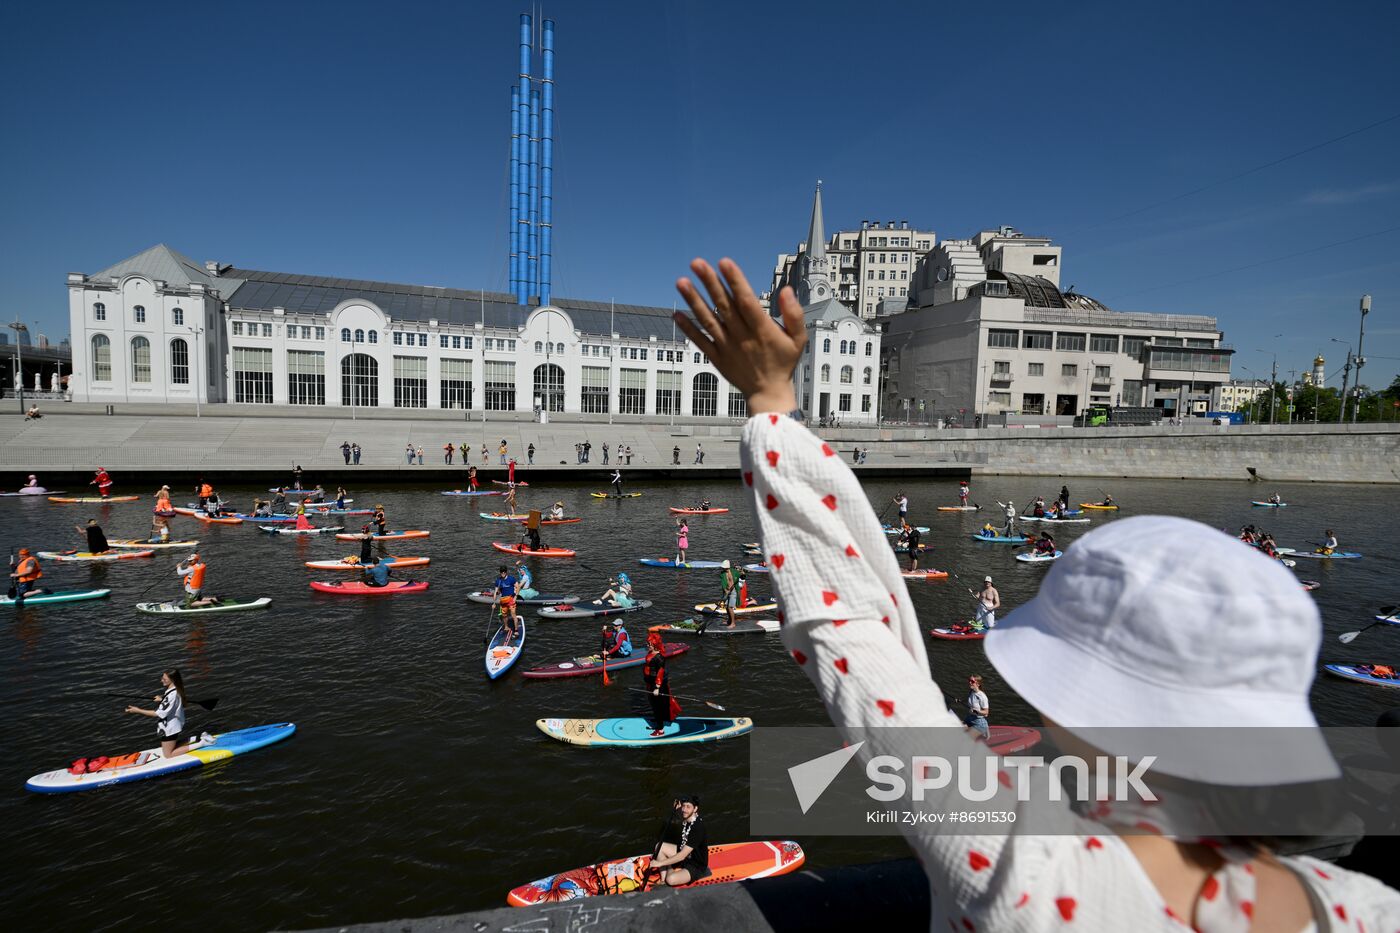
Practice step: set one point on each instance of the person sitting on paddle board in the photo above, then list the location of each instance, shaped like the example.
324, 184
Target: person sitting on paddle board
622, 595
318, 495
526, 589
160, 530
689, 859
663, 707
505, 596
963, 493
988, 602
169, 715
1382, 671
262, 508
617, 483
1039, 510
1276, 499
911, 535
279, 502
616, 643
96, 537
1329, 543
682, 539
988, 531
103, 481
26, 576
379, 520
192, 569
376, 572
302, 523
556, 511
1107, 500
1045, 544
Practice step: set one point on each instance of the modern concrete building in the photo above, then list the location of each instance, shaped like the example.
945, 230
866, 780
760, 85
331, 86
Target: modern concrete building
839, 371
992, 333
866, 267
159, 327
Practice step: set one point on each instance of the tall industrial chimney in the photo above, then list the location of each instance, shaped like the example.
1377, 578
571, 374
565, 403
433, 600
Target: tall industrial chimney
547, 164
522, 167
532, 168
514, 187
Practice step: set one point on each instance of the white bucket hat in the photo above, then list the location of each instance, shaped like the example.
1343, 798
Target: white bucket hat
1187, 644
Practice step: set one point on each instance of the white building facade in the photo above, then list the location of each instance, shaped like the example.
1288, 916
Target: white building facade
158, 327
994, 335
865, 267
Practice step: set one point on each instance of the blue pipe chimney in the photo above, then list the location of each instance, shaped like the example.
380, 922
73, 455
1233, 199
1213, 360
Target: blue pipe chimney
547, 164
522, 286
533, 270
514, 187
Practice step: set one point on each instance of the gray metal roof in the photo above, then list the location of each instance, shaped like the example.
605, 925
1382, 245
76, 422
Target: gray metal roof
315, 294
163, 263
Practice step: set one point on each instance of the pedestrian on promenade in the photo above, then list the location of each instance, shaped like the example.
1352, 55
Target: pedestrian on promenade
484, 458
578, 453
699, 453
864, 453
345, 449
855, 455
465, 451
605, 453
420, 454
676, 455
530, 454
629, 454
503, 450
408, 452
355, 453
587, 451
447, 450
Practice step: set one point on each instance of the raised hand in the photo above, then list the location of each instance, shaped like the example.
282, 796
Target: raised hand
753, 352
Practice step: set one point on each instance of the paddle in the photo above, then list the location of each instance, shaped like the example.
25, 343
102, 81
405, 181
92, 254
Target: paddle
14, 588
1347, 638
679, 696
491, 617
202, 704
607, 681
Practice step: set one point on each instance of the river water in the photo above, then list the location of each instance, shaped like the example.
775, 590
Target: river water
415, 786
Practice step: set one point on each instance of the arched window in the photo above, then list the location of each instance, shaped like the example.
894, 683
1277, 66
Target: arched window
140, 359
549, 386
539, 346
101, 358
696, 358
359, 380
139, 312
865, 376
704, 395
869, 348
359, 336
179, 361
826, 371
847, 374
177, 317
374, 336
559, 348
345, 335
826, 345
99, 311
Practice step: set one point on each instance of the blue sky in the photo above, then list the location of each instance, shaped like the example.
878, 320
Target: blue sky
371, 140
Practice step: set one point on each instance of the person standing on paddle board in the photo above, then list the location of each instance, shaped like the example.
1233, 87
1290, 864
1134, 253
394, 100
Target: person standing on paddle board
302, 524
510, 499
95, 536
902, 501
617, 484
505, 596
380, 521
1009, 508
682, 539
622, 595
192, 568
205, 492
730, 600
688, 859
471, 476
103, 481
169, 715
663, 707
26, 576
978, 709
1064, 497
988, 602
963, 493
616, 643
912, 540
163, 500
1052, 651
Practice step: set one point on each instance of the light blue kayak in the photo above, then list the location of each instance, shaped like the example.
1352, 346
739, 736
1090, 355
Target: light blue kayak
63, 596
1335, 555
1039, 558
1019, 539
150, 764
687, 565
896, 529
634, 731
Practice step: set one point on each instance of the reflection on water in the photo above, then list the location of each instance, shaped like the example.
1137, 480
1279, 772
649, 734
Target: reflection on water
415, 786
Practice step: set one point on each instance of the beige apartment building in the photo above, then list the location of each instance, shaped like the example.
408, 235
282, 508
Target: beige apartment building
868, 266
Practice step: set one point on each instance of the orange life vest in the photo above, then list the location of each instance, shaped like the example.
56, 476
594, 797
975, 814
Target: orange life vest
206, 490
28, 570
196, 578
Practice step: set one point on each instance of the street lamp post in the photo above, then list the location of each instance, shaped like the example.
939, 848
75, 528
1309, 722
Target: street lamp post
1360, 360
19, 328
196, 350
1346, 376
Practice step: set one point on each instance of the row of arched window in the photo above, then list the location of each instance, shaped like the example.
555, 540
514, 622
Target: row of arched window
140, 357
848, 347
358, 336
847, 374
138, 314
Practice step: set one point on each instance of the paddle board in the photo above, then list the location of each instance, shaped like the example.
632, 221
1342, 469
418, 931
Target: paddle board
1389, 620
502, 482
959, 508
1055, 521
590, 609
353, 563
301, 531
1270, 505
59, 596
904, 548
625, 495
698, 511
670, 564
485, 596
291, 492
635, 732
66, 556
261, 519
1008, 740
715, 609
1335, 555
386, 536
1310, 584
93, 499
998, 539
221, 605
150, 764
472, 492
217, 520
41, 491
521, 548
593, 664
739, 861
717, 627
1039, 558
310, 510
963, 631
756, 568
1354, 672
156, 545
356, 588
896, 529
924, 574
1095, 505
500, 657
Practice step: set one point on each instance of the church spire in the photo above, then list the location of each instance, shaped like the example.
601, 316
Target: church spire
814, 285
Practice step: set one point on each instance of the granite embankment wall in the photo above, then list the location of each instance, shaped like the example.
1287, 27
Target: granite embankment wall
231, 442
